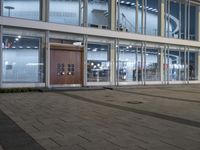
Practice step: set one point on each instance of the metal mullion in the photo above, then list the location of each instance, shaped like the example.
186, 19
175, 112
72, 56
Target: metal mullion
188, 70
188, 19
144, 64
179, 77
185, 74
136, 17
1, 55
185, 22
117, 62
168, 64
137, 64
118, 22
168, 25
180, 25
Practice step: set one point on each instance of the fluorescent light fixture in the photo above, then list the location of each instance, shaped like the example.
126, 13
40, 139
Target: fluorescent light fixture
35, 47
20, 46
28, 47
13, 47
122, 2
132, 4
94, 50
128, 2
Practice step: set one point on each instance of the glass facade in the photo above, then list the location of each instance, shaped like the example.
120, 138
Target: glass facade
98, 63
127, 63
22, 59
107, 59
98, 14
66, 11
180, 19
29, 9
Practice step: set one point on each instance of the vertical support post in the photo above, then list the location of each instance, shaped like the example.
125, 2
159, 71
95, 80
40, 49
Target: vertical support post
168, 19
185, 23
85, 43
143, 16
180, 20
85, 13
117, 62
198, 65
142, 63
197, 23
161, 20
1, 55
44, 10
112, 17
47, 59
136, 17
188, 23
1, 7
162, 61
112, 63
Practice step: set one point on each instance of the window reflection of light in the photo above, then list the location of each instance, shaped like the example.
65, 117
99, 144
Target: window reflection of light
122, 2
92, 64
98, 65
19, 36
6, 62
94, 50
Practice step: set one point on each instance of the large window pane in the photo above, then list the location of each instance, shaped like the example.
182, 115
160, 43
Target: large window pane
126, 15
98, 63
152, 17
98, 14
28, 9
152, 64
127, 63
193, 66
66, 11
22, 59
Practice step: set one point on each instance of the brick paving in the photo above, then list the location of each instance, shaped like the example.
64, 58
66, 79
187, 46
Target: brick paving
93, 120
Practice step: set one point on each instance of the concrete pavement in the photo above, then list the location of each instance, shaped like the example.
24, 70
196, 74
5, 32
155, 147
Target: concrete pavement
158, 118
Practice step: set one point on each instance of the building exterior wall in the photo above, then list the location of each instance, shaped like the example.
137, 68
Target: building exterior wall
133, 57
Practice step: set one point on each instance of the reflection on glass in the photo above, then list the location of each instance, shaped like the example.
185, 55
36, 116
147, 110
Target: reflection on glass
127, 63
152, 65
28, 9
98, 63
127, 16
98, 14
152, 17
175, 65
65, 11
180, 19
193, 66
22, 59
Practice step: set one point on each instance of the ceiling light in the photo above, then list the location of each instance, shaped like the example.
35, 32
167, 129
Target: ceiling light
19, 36
16, 39
128, 2
122, 2
94, 50
132, 4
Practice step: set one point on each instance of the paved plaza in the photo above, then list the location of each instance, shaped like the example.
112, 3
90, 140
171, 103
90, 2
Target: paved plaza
128, 118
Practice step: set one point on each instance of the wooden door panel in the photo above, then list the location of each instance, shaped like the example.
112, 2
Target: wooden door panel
72, 63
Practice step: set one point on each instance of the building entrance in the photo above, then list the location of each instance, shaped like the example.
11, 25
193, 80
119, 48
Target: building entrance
66, 66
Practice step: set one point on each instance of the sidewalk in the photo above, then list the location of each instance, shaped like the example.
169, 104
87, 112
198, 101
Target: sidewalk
119, 119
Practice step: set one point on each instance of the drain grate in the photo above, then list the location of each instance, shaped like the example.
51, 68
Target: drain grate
134, 102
